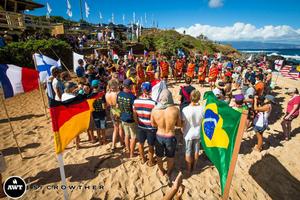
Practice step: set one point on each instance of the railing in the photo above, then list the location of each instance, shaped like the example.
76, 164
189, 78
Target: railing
12, 20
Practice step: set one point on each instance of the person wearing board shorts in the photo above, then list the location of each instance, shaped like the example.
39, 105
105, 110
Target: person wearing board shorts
125, 101
142, 108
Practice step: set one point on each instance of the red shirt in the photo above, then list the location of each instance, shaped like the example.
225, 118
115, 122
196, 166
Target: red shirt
292, 102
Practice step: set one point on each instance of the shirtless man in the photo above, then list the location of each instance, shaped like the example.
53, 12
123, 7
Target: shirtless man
111, 100
165, 116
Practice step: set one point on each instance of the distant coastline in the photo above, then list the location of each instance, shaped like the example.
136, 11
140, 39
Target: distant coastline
286, 53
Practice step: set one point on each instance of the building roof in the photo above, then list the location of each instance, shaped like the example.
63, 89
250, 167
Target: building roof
21, 5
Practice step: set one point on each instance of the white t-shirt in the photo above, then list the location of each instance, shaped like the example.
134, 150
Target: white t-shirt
192, 117
55, 88
67, 96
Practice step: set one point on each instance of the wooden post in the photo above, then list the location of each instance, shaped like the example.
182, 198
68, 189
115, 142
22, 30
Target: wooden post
60, 60
11, 127
235, 153
40, 89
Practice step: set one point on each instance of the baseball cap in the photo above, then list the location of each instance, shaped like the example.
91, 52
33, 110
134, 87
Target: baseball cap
217, 92
95, 83
54, 69
270, 98
228, 74
127, 82
239, 97
146, 86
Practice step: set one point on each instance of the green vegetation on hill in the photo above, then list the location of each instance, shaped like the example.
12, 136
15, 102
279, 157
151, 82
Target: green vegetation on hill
20, 53
167, 43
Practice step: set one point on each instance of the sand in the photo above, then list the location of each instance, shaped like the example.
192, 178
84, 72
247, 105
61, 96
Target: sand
272, 174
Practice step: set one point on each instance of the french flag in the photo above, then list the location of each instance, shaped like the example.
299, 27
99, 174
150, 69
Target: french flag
17, 80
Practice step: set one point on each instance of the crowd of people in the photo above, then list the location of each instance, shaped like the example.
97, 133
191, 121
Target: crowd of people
141, 107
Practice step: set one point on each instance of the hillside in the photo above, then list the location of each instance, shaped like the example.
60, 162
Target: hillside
168, 41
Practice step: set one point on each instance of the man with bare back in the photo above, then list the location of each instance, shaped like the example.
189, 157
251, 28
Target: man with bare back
165, 116
111, 100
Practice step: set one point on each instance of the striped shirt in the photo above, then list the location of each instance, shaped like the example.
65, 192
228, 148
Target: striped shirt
143, 107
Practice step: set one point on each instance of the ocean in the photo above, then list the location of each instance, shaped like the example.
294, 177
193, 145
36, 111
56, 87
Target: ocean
286, 53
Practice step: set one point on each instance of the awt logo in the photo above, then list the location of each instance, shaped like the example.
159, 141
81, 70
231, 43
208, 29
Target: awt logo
14, 187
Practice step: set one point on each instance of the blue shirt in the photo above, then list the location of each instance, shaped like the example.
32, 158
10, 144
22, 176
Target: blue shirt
80, 71
125, 101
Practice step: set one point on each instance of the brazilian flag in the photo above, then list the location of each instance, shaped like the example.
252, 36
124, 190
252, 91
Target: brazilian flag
218, 134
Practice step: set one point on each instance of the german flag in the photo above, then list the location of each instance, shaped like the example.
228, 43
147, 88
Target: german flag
70, 118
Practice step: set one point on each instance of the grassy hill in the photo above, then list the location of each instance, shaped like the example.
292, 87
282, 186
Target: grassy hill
167, 42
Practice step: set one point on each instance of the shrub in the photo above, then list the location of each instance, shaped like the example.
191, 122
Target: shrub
20, 53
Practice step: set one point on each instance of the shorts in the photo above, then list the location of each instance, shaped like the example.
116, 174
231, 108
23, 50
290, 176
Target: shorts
100, 123
143, 134
115, 120
129, 129
259, 129
165, 146
290, 118
192, 147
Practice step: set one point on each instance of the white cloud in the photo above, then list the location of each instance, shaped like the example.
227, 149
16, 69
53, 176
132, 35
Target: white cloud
241, 31
215, 3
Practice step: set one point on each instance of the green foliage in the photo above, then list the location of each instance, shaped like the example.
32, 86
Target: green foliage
167, 43
20, 53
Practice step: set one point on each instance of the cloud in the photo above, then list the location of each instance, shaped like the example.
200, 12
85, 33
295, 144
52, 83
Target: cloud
243, 32
215, 3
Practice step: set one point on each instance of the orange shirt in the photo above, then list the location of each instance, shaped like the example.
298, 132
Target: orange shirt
164, 68
191, 69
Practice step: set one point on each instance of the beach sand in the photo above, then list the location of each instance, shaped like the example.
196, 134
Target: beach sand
272, 174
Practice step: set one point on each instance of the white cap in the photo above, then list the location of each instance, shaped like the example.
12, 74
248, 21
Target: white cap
217, 92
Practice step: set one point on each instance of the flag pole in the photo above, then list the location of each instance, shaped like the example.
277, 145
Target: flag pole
62, 174
11, 127
235, 153
60, 60
40, 89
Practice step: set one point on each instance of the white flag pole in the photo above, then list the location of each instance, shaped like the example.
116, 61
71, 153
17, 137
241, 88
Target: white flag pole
62, 175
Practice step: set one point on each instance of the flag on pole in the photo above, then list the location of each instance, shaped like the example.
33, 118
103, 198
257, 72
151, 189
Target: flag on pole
130, 54
70, 118
76, 57
100, 15
49, 10
219, 129
96, 53
69, 9
43, 64
288, 72
123, 19
16, 80
133, 15
112, 18
87, 9
157, 88
278, 64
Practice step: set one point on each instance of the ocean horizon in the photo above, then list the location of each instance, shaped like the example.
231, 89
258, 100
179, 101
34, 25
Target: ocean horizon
286, 53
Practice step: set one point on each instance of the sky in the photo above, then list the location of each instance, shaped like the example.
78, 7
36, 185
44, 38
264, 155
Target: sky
221, 20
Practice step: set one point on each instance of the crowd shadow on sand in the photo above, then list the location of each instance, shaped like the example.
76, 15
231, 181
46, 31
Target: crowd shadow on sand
275, 179
14, 150
20, 118
78, 172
